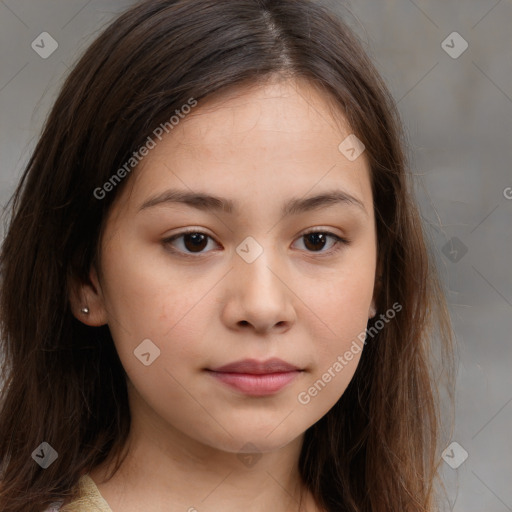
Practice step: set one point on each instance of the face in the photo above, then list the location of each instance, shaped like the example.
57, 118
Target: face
267, 278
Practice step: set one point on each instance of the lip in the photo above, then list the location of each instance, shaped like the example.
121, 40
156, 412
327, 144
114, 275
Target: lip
256, 378
255, 367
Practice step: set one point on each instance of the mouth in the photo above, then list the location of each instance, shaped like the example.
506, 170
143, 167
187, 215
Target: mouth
256, 378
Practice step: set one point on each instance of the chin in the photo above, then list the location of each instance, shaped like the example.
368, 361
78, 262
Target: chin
245, 440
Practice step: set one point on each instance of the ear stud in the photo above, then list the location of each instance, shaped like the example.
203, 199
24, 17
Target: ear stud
85, 310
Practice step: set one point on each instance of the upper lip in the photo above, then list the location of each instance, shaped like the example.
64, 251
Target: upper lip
253, 366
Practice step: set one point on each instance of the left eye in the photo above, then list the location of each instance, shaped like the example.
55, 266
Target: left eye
315, 241
195, 242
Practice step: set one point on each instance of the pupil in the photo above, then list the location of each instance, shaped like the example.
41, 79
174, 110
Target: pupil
317, 238
198, 242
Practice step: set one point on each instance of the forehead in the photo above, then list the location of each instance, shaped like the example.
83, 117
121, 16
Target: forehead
260, 141
268, 115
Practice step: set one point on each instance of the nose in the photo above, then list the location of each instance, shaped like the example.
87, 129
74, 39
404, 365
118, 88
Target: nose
259, 296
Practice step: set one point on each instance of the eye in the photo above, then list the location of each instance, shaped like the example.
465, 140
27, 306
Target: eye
192, 242
316, 241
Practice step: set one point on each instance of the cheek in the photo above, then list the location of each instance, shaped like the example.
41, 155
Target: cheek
149, 299
341, 300
337, 325
336, 357
155, 310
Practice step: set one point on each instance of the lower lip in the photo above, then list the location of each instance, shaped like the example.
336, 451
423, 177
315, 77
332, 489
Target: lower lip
256, 385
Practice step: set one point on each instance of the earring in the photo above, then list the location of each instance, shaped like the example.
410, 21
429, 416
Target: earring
85, 310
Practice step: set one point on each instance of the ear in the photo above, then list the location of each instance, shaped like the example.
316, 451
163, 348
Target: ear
88, 295
373, 310
377, 287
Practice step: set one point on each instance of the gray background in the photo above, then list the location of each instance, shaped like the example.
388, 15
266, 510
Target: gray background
458, 115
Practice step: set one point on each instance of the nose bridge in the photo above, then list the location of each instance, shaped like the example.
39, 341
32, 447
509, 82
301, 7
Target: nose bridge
259, 295
257, 265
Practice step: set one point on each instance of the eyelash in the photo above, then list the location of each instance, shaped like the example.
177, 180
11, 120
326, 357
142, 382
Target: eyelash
338, 245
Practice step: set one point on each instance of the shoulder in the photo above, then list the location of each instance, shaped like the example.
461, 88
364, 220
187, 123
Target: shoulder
54, 507
88, 495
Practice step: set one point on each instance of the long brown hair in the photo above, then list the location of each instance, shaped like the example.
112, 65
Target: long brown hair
63, 382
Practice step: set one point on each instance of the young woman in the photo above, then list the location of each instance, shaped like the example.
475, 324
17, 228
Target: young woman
216, 293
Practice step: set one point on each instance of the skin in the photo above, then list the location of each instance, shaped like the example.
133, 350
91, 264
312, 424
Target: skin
259, 146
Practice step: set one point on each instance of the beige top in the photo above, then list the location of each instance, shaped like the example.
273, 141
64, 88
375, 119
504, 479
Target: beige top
90, 499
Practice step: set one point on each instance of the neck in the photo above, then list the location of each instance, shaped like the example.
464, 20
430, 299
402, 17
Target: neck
164, 466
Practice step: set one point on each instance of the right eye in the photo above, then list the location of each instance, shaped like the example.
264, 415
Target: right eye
189, 242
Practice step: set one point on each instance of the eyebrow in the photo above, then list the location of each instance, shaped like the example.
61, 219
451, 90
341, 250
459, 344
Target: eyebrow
294, 206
